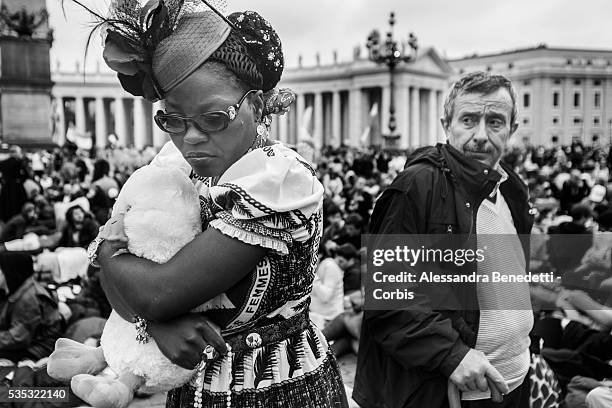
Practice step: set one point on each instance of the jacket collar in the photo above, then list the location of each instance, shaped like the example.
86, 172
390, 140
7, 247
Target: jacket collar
504, 177
477, 179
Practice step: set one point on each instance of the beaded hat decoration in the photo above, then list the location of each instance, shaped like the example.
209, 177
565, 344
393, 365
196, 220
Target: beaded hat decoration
246, 44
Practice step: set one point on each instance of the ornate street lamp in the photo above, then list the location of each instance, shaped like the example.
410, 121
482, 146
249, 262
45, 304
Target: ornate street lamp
391, 53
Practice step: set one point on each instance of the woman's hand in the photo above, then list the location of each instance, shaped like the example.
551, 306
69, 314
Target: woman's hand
182, 340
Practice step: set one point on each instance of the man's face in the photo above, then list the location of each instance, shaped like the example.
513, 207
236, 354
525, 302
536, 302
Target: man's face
481, 125
31, 214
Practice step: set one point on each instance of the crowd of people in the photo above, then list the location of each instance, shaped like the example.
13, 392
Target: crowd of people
53, 202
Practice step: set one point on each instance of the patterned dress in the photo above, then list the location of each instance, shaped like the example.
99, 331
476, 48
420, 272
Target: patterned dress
272, 198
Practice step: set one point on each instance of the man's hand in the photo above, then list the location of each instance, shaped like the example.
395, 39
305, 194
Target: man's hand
183, 339
475, 372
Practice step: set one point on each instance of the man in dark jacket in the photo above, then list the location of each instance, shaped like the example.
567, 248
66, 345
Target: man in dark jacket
410, 357
30, 321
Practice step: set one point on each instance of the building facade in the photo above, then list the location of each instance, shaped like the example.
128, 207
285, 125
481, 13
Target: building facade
336, 104
564, 93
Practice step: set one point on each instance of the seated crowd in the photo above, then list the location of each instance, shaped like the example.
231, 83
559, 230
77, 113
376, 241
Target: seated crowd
53, 202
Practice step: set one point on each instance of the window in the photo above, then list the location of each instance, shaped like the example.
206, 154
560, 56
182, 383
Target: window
557, 81
597, 100
577, 121
555, 120
596, 121
597, 82
556, 99
510, 65
526, 100
527, 82
525, 121
576, 99
577, 82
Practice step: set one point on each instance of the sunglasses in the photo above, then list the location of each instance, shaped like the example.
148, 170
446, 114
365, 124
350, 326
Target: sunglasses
215, 121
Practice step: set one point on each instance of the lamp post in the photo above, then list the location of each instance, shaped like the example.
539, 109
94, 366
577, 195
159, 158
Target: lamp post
391, 53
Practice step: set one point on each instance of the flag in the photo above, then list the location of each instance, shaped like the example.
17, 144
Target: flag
372, 126
304, 132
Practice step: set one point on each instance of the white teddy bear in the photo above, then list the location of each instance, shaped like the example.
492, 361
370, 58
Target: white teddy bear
163, 216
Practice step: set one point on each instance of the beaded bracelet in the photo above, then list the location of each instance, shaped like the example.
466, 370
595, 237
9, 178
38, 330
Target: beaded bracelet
92, 251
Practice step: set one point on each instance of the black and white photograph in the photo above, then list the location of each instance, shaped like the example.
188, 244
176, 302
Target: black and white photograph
282, 204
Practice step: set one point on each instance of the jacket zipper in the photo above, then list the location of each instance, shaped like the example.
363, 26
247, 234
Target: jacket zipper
472, 221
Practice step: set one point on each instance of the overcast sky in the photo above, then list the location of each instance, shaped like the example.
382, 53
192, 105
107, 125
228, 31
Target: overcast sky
454, 27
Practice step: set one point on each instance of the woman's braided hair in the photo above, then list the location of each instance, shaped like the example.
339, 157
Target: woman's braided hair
254, 54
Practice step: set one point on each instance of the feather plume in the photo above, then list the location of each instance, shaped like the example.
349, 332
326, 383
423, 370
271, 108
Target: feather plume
131, 33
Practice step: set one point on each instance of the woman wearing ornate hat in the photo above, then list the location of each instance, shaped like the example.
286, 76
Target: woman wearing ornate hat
261, 211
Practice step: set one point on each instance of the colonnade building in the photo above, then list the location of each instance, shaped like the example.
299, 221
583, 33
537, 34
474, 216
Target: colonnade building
335, 105
564, 93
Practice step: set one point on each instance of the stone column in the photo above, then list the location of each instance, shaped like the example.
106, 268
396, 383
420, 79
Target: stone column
275, 128
318, 119
440, 100
415, 102
121, 130
336, 135
283, 127
79, 113
567, 103
140, 129
299, 114
433, 114
402, 113
355, 118
61, 125
159, 136
101, 130
148, 121
383, 109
